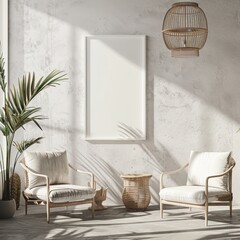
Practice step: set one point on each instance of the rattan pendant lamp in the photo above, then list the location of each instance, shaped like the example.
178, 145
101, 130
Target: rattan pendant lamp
185, 29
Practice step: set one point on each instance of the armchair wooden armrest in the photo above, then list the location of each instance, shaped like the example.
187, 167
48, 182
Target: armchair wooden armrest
27, 169
92, 182
34, 172
171, 173
218, 175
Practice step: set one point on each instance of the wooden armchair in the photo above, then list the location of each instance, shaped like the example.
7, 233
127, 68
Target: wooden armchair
47, 182
209, 183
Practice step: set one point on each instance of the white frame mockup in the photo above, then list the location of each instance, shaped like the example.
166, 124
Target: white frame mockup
116, 87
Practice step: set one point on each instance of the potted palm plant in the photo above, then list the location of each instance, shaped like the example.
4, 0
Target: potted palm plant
14, 115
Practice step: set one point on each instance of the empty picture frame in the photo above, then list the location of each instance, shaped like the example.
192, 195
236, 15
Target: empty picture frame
116, 87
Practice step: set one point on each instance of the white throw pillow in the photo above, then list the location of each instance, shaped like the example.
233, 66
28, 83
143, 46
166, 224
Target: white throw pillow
204, 164
52, 164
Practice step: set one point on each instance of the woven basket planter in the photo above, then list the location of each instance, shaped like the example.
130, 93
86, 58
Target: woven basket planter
136, 194
16, 189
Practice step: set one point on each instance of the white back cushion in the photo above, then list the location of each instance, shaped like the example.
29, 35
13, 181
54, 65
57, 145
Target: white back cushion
204, 164
52, 164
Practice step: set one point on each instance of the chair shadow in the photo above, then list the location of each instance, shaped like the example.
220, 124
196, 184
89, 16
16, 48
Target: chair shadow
104, 174
224, 236
214, 216
220, 216
83, 213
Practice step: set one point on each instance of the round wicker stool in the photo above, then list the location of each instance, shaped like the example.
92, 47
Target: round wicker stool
136, 194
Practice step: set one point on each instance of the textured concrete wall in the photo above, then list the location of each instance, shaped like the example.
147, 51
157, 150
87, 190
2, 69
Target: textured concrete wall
192, 103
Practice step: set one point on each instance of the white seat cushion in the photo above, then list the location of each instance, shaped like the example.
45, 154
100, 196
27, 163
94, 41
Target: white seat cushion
61, 193
204, 164
190, 194
52, 164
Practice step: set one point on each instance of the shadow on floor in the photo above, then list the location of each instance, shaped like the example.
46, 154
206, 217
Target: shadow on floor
117, 223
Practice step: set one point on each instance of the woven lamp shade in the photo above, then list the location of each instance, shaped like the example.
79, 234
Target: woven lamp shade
185, 29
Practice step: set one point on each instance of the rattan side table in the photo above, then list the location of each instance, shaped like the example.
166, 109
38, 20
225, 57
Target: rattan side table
136, 193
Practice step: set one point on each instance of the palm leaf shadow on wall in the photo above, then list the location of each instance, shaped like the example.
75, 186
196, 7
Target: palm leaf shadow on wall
105, 174
129, 133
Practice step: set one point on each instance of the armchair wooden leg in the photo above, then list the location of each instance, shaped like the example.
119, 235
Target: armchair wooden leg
230, 208
93, 205
26, 207
66, 208
26, 203
206, 213
48, 212
161, 209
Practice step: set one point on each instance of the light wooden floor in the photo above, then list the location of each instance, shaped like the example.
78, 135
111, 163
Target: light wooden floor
116, 223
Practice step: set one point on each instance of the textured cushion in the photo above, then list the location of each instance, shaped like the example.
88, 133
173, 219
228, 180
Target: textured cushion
189, 194
61, 193
204, 164
52, 164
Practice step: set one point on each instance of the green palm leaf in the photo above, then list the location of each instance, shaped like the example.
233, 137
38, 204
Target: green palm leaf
17, 113
25, 144
18, 120
3, 83
18, 99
